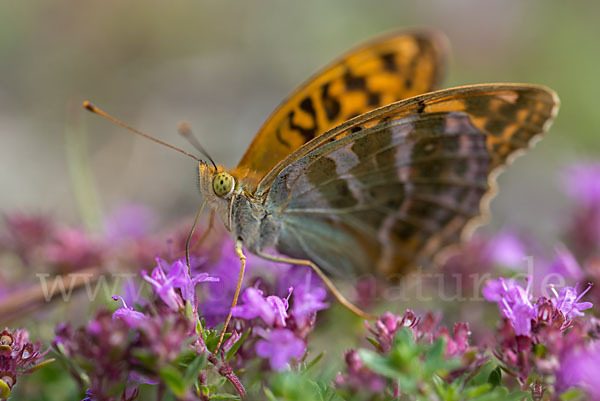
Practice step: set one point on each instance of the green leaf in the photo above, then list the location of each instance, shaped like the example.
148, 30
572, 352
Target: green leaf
269, 394
405, 336
193, 370
40, 365
313, 362
61, 354
374, 342
495, 377
500, 394
476, 391
224, 396
212, 339
237, 345
169, 396
173, 380
434, 359
291, 386
145, 357
378, 363
516, 396
540, 350
189, 311
571, 394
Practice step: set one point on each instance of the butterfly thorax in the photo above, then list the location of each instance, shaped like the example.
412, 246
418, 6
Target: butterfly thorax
243, 215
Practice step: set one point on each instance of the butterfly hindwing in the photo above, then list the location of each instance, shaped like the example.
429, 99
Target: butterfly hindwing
388, 69
388, 190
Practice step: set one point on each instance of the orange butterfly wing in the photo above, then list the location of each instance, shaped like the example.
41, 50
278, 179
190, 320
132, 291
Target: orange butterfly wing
390, 68
393, 188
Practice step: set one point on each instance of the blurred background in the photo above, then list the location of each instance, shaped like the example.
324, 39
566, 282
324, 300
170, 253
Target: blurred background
223, 66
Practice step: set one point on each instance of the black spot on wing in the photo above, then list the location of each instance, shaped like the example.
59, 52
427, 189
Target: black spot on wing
508, 111
495, 127
330, 104
479, 106
337, 191
353, 82
373, 99
389, 62
307, 106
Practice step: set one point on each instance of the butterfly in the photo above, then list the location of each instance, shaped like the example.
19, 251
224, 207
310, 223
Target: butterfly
367, 168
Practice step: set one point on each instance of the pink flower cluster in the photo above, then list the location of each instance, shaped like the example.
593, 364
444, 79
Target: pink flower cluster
283, 332
18, 356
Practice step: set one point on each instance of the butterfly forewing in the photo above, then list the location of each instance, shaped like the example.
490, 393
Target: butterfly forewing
387, 190
391, 68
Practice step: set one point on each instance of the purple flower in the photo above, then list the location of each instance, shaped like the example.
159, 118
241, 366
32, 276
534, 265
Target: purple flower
132, 292
24, 234
509, 290
514, 302
582, 183
163, 287
116, 358
72, 249
520, 316
458, 344
308, 299
359, 377
580, 367
565, 264
388, 324
272, 309
131, 317
507, 249
227, 267
280, 346
567, 301
88, 396
182, 280
177, 278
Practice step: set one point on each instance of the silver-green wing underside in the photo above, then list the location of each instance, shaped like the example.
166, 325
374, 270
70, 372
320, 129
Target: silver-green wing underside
389, 189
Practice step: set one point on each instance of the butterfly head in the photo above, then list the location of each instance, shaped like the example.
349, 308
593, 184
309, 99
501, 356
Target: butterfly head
217, 187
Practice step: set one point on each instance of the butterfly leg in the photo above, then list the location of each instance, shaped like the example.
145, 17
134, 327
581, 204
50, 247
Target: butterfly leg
240, 254
338, 295
189, 238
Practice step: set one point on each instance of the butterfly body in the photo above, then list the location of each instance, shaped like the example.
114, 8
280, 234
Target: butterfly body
365, 169
368, 169
389, 189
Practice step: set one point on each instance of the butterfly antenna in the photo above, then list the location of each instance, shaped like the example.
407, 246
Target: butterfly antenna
96, 110
184, 129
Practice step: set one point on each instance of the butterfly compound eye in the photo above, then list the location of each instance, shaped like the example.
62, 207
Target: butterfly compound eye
223, 184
